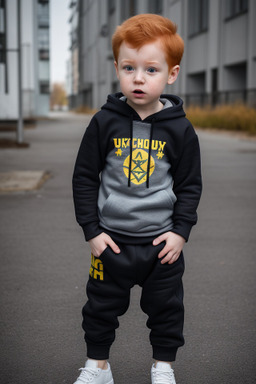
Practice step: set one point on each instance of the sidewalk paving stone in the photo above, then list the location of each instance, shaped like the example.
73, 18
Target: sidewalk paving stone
45, 262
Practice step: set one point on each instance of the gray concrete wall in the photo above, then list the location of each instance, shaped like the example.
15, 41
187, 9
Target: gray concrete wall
227, 48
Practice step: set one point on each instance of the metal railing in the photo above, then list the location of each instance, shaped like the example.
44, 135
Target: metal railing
247, 97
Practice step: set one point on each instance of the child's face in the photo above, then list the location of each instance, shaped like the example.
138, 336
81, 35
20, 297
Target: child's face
143, 74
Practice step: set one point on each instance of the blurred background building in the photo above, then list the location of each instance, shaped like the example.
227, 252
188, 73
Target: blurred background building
35, 47
219, 64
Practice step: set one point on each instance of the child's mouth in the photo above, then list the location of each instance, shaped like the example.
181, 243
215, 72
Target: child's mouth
138, 92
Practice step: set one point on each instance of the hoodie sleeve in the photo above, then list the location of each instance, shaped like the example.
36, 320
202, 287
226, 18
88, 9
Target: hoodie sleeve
187, 185
86, 181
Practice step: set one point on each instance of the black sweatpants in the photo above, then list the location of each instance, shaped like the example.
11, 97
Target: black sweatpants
108, 290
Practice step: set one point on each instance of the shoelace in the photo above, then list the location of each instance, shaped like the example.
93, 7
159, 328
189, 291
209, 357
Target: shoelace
163, 377
87, 374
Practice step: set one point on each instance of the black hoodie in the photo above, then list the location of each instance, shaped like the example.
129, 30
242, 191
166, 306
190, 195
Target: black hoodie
138, 178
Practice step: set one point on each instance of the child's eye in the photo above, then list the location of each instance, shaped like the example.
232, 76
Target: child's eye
151, 70
128, 68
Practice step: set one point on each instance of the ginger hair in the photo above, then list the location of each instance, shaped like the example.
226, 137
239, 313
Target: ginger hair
146, 28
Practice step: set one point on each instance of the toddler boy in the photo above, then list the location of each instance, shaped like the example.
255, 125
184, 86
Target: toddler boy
137, 185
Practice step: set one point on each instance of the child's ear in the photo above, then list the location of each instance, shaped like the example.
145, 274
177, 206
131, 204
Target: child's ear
173, 74
116, 67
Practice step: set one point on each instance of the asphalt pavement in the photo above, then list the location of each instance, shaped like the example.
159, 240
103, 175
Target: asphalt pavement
45, 264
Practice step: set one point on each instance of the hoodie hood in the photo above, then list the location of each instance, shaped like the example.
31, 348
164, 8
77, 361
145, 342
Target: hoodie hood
115, 104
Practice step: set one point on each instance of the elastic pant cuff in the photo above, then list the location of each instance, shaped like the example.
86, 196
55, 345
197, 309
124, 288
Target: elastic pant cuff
164, 353
98, 352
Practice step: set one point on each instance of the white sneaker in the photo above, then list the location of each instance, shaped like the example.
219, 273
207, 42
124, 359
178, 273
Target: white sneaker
94, 375
162, 373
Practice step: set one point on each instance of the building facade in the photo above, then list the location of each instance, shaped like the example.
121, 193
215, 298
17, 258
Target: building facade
33, 16
72, 65
219, 63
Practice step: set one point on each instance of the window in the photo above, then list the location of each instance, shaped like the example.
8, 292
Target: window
111, 6
155, 6
43, 30
44, 87
235, 8
128, 9
43, 39
43, 14
196, 83
2, 32
3, 48
111, 19
198, 11
44, 54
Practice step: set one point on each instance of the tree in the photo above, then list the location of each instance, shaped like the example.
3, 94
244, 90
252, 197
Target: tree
58, 98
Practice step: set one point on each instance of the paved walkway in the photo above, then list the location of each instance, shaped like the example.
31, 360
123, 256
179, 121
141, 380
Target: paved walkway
45, 262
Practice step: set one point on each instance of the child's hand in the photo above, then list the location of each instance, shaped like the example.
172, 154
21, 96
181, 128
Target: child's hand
99, 243
172, 248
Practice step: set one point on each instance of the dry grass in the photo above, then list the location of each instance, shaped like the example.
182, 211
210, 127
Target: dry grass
239, 118
236, 117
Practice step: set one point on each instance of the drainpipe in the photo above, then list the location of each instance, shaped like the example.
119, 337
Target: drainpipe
20, 117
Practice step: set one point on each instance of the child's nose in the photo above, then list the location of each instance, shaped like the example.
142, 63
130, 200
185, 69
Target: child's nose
138, 76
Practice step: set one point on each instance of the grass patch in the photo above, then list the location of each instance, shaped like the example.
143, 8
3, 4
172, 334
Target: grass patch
236, 117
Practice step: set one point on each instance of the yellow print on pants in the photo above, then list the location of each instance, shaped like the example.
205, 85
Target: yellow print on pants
96, 270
